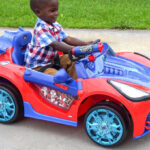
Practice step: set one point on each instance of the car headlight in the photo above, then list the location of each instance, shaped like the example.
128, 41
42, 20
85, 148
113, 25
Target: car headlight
130, 92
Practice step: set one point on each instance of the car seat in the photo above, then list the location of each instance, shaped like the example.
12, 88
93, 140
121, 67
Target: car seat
19, 43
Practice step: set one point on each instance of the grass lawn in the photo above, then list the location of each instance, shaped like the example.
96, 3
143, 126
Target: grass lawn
122, 14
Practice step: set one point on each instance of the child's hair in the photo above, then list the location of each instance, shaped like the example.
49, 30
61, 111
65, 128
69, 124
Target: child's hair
37, 4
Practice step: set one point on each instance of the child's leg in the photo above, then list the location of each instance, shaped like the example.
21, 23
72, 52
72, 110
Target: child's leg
50, 71
68, 65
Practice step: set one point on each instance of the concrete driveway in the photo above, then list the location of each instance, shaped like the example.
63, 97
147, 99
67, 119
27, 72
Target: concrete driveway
31, 134
119, 40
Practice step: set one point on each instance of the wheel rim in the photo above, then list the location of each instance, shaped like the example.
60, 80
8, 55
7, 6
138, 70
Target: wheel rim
7, 106
104, 127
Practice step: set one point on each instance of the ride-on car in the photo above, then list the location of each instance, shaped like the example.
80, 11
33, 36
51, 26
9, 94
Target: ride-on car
112, 90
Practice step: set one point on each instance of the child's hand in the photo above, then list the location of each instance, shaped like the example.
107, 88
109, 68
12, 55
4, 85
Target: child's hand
76, 42
93, 42
88, 43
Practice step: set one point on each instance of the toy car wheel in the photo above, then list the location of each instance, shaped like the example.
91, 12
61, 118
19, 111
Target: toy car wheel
10, 107
105, 126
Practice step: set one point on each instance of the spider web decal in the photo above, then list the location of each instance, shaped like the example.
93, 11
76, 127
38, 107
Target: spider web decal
54, 97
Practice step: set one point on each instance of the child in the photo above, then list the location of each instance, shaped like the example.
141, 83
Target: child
48, 37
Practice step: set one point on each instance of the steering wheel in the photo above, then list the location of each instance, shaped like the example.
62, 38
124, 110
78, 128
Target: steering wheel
73, 58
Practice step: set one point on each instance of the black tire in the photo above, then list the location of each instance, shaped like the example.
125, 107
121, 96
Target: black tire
12, 95
102, 129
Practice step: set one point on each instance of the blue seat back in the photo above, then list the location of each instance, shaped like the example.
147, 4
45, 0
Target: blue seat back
20, 41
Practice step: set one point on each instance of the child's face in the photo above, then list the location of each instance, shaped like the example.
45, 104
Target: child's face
49, 13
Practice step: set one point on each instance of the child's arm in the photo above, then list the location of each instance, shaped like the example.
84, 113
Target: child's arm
68, 45
75, 42
60, 46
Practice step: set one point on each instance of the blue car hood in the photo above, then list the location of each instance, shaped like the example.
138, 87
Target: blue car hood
127, 70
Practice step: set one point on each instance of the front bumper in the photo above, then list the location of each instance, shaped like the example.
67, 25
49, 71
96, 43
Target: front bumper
147, 128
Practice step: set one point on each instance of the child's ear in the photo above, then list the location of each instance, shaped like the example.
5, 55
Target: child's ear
37, 11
